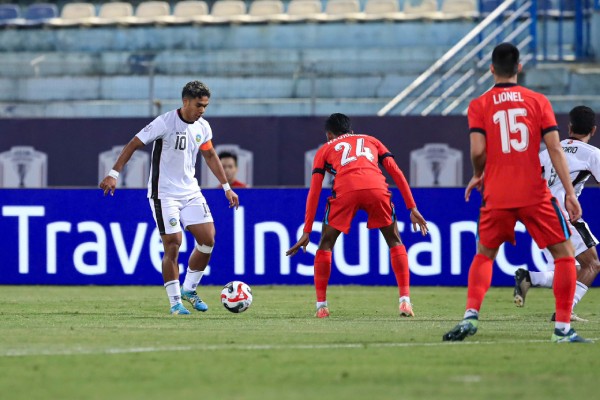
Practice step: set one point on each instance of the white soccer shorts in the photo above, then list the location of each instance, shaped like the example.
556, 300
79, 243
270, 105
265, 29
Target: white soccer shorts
581, 237
170, 214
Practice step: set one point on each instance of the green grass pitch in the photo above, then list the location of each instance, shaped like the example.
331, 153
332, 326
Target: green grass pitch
121, 343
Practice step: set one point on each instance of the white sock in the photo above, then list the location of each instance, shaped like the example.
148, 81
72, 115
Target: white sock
321, 304
192, 280
542, 279
471, 313
173, 291
564, 327
405, 298
580, 291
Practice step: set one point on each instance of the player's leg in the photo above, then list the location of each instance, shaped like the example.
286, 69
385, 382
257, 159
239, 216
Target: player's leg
524, 280
197, 219
322, 269
381, 215
166, 215
494, 228
590, 267
548, 227
585, 243
339, 213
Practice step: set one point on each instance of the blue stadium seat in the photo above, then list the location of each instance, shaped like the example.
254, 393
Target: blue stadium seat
9, 14
38, 14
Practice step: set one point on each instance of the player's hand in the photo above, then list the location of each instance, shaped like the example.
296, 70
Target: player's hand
302, 242
573, 207
476, 182
108, 184
417, 219
234, 201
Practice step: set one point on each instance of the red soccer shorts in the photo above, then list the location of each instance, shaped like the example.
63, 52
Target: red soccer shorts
545, 223
376, 202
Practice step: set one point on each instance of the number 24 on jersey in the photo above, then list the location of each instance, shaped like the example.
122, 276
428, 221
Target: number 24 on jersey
361, 151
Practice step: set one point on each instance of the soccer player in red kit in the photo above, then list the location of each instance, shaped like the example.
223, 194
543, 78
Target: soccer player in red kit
358, 185
506, 126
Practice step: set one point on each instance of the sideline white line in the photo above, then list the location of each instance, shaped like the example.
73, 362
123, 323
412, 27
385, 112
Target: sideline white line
74, 351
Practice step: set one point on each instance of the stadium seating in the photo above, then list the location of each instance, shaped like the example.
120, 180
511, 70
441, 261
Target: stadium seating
9, 14
304, 10
457, 9
387, 10
338, 10
39, 14
113, 13
420, 9
74, 14
227, 11
148, 12
264, 11
185, 12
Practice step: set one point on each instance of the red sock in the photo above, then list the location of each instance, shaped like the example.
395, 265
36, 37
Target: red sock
565, 277
400, 267
322, 273
480, 280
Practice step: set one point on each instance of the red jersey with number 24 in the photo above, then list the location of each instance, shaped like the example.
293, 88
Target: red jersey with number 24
353, 161
513, 120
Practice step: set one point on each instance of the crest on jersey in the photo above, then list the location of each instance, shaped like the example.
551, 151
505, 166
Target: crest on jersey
173, 221
198, 138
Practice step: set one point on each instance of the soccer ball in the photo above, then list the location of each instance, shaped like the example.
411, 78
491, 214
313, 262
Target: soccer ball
236, 296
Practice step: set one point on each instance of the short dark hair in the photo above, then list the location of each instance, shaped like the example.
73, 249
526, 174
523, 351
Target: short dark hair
582, 120
338, 124
505, 59
195, 89
228, 154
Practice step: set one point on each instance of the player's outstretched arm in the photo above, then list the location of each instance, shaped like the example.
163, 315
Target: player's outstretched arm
312, 200
214, 163
398, 177
559, 161
109, 183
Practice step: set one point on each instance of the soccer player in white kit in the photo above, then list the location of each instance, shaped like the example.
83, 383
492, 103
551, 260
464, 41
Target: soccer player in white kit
173, 191
584, 162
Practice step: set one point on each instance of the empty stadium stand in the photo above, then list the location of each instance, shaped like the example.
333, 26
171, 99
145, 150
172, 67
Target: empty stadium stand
261, 57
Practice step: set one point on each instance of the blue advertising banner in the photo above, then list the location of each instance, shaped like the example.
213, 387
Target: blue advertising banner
80, 237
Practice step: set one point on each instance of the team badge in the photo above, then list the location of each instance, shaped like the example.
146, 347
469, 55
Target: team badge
173, 221
198, 138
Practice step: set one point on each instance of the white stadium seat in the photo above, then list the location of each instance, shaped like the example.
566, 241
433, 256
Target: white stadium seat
415, 9
113, 13
338, 10
74, 14
186, 12
383, 10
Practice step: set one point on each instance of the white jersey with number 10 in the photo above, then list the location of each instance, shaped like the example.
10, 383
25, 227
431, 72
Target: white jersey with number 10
173, 162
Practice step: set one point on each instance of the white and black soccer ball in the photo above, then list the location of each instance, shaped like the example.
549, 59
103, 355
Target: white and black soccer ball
236, 296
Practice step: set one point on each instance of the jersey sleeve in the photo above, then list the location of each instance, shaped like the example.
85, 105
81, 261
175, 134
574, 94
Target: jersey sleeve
548, 119
208, 134
382, 151
319, 162
475, 117
153, 131
595, 165
396, 173
312, 201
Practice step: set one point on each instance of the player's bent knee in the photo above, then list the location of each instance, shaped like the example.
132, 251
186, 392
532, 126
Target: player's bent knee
203, 248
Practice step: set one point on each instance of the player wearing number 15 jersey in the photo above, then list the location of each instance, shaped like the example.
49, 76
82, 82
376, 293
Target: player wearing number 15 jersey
358, 185
506, 125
